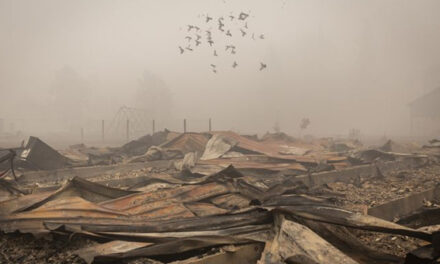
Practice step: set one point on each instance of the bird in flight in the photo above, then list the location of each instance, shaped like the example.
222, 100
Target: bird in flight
229, 47
243, 33
235, 64
243, 16
262, 36
214, 69
245, 25
220, 25
228, 33
181, 49
231, 17
262, 66
198, 43
210, 42
208, 18
215, 53
188, 38
189, 48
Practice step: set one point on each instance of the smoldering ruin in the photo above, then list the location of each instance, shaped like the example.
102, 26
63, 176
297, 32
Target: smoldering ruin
220, 131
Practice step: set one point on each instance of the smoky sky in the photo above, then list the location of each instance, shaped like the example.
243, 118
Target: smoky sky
343, 64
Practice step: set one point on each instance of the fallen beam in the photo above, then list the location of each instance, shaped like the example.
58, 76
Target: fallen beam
404, 206
347, 174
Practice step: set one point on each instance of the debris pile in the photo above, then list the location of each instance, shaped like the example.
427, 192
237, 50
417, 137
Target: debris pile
221, 197
204, 219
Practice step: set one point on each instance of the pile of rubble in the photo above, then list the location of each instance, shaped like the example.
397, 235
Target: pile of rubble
220, 197
204, 219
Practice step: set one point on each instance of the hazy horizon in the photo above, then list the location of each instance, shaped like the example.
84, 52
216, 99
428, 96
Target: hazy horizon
343, 64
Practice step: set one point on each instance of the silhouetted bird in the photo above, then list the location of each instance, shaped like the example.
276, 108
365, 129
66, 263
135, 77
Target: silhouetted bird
190, 27
198, 37
228, 33
229, 47
208, 18
210, 42
198, 43
214, 69
189, 48
235, 64
243, 33
197, 28
220, 24
261, 36
262, 66
181, 50
243, 16
231, 17
188, 38
215, 53
245, 25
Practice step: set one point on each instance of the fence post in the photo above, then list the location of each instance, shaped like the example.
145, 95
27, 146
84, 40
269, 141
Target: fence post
184, 125
154, 127
128, 130
102, 130
210, 127
82, 135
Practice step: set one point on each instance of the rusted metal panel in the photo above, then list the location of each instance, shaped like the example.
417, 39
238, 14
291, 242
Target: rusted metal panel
205, 209
173, 211
244, 164
188, 142
296, 243
113, 249
243, 254
231, 201
130, 201
271, 149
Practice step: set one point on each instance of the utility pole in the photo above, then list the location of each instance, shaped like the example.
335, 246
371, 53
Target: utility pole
154, 127
210, 127
184, 125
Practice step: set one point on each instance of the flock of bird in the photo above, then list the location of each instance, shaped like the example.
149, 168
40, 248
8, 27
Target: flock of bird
224, 26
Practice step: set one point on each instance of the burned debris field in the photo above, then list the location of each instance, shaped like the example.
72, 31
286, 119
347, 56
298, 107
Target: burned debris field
218, 196
220, 131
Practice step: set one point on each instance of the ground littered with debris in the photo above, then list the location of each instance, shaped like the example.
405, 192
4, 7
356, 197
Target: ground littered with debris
220, 197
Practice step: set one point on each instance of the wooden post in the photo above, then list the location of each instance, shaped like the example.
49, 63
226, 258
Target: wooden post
128, 130
154, 127
102, 130
82, 135
210, 127
184, 125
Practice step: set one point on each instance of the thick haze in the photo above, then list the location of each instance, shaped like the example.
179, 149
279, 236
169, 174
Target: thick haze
343, 64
